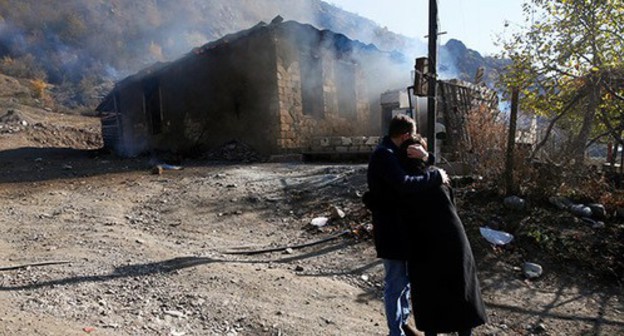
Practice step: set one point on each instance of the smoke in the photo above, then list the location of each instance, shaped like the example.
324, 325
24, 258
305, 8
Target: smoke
73, 39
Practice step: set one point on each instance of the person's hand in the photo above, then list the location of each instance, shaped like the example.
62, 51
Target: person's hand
417, 152
445, 179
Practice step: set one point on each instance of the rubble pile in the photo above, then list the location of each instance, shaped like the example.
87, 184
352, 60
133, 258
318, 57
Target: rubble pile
233, 151
13, 121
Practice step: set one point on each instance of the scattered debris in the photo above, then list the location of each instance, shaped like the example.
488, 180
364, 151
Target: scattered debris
233, 151
532, 270
539, 328
598, 211
157, 170
560, 202
580, 210
319, 221
167, 166
337, 213
160, 168
514, 202
594, 224
585, 212
496, 237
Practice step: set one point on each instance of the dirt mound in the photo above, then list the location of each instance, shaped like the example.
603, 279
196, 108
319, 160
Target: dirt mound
27, 126
65, 136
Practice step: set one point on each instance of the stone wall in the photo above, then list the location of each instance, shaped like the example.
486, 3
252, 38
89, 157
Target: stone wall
298, 126
343, 144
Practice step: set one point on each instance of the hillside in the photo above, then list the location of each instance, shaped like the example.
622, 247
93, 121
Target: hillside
82, 46
119, 37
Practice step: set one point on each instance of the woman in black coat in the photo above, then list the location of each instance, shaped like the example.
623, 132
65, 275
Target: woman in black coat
446, 296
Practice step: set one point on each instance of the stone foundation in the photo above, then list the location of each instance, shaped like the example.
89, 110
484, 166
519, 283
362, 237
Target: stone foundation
343, 144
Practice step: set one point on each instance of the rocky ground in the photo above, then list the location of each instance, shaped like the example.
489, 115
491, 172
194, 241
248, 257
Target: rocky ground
114, 249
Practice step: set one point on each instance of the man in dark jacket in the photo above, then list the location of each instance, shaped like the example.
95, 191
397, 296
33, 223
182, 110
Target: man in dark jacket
387, 183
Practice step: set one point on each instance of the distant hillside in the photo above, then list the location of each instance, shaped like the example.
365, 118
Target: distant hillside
82, 45
464, 62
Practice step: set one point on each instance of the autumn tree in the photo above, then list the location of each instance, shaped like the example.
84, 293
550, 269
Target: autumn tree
567, 61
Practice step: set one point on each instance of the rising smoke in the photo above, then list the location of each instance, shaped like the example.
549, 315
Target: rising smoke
68, 41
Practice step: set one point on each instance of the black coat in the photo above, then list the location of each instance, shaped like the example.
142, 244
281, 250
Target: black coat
446, 295
388, 183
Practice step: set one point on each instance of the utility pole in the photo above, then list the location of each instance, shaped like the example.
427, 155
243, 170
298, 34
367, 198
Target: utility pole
432, 79
510, 186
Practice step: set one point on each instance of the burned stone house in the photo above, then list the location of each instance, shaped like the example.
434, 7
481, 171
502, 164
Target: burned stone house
275, 87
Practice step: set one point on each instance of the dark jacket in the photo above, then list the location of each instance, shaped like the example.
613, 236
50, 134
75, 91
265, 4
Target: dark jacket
446, 296
388, 183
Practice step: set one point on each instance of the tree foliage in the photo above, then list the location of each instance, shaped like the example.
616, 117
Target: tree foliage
567, 61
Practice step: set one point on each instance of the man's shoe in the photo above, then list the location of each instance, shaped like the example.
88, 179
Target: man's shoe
411, 331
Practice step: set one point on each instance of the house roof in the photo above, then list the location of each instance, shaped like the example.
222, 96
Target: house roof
339, 42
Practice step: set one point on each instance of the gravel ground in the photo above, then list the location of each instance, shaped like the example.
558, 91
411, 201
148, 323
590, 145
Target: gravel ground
136, 253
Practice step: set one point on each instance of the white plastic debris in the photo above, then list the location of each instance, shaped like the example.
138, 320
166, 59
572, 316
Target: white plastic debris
319, 221
532, 270
337, 213
496, 237
166, 166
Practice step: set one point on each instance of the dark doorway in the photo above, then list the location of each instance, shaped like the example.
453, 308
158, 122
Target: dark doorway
153, 111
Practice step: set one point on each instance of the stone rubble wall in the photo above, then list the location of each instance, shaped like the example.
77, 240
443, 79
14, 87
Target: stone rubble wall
343, 144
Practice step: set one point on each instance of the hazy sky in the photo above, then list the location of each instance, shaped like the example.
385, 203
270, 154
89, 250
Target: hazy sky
474, 22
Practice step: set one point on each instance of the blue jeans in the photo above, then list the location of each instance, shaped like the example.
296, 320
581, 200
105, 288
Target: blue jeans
396, 295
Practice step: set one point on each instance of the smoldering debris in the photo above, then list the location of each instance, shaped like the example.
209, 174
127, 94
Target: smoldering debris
233, 151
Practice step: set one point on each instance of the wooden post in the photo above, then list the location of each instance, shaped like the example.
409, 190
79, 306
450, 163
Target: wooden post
433, 80
510, 187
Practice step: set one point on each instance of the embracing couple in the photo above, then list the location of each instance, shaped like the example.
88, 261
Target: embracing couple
420, 238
